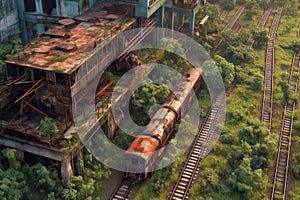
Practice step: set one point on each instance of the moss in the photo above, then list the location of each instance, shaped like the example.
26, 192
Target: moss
59, 58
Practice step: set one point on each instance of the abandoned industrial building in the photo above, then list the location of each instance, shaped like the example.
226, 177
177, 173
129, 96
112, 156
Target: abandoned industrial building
61, 36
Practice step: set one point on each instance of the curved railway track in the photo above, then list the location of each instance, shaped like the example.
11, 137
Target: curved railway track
279, 187
197, 152
261, 24
267, 102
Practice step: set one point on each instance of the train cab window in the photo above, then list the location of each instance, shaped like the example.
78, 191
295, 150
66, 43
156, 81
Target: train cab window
134, 161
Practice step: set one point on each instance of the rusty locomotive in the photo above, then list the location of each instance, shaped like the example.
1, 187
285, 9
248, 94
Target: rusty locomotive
143, 154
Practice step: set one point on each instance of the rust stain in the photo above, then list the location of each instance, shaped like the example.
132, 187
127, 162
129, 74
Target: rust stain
64, 48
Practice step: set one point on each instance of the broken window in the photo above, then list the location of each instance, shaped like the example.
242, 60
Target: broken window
30, 5
60, 79
38, 74
85, 3
48, 6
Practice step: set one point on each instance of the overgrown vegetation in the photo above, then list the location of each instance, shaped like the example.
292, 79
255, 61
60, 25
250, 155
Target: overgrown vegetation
148, 96
59, 58
151, 94
238, 166
91, 185
48, 127
11, 47
25, 182
18, 181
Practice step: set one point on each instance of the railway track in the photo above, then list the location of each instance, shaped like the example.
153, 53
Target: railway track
116, 195
224, 14
261, 24
279, 187
229, 25
267, 102
197, 152
123, 190
236, 16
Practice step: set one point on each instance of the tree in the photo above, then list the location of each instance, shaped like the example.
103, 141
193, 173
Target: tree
213, 12
69, 193
212, 76
11, 47
264, 3
149, 95
287, 90
251, 8
40, 178
256, 81
228, 4
10, 155
226, 69
260, 36
239, 54
12, 184
48, 127
231, 39
171, 45
295, 46
295, 165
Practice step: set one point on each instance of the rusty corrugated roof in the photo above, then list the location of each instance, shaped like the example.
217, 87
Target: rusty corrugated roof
64, 48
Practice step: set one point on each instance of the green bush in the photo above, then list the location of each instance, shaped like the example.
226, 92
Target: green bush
48, 127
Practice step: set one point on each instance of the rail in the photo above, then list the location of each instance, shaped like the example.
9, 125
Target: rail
280, 177
261, 24
267, 101
229, 25
197, 151
122, 191
224, 14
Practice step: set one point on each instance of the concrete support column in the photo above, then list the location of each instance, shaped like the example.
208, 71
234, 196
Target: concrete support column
66, 171
113, 123
58, 7
40, 28
171, 19
22, 24
191, 24
79, 162
161, 16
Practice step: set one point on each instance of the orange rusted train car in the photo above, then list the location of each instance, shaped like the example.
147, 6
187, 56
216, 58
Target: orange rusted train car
143, 154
